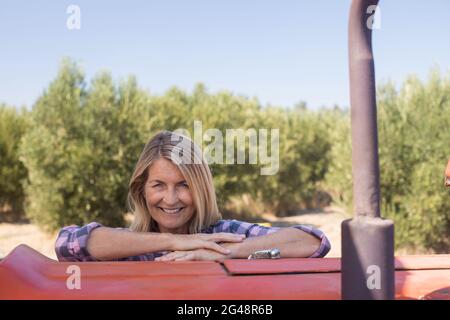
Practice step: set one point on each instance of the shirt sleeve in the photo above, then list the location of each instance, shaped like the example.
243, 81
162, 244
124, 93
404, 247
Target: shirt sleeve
256, 230
71, 245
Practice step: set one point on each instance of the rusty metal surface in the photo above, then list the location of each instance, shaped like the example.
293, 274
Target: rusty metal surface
278, 266
305, 265
26, 274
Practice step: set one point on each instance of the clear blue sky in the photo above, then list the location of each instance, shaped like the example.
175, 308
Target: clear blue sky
279, 51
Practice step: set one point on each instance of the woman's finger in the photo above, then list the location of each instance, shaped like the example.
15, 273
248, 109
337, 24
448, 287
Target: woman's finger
172, 256
188, 257
214, 246
226, 237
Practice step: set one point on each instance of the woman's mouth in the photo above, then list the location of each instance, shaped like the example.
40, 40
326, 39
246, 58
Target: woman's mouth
171, 210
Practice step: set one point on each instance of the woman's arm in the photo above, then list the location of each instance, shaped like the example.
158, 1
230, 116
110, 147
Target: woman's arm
294, 242
94, 242
110, 244
299, 241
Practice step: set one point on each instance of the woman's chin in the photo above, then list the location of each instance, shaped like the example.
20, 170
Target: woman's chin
171, 224
172, 228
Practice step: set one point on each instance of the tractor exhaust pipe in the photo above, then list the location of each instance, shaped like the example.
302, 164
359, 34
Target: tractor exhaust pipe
368, 270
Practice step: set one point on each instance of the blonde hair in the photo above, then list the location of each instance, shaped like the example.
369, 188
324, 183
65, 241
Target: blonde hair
194, 169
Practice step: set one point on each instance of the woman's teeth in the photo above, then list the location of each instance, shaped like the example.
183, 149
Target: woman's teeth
171, 210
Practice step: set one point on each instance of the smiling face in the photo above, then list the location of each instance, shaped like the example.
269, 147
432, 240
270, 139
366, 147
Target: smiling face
168, 197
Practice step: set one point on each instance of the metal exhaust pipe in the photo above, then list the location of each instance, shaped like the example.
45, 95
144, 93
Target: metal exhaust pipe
368, 270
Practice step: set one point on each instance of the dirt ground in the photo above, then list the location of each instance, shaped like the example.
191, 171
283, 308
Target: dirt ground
328, 220
12, 234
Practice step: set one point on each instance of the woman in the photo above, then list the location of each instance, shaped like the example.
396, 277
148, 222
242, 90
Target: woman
172, 197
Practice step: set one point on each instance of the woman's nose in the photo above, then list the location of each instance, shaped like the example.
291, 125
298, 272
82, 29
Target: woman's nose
171, 196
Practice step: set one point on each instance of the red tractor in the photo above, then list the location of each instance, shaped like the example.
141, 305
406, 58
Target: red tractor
367, 270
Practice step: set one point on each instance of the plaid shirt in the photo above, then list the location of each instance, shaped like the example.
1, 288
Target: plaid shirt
71, 244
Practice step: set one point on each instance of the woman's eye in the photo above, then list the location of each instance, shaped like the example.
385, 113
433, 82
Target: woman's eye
156, 185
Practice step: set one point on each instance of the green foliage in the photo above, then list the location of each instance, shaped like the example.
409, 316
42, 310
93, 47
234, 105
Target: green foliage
414, 148
414, 144
80, 142
225, 111
304, 158
13, 173
304, 144
81, 148
338, 180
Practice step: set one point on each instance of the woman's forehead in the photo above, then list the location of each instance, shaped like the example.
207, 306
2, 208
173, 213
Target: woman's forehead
164, 170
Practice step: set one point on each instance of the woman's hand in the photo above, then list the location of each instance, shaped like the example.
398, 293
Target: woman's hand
192, 242
191, 255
